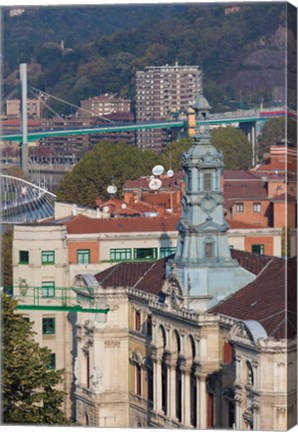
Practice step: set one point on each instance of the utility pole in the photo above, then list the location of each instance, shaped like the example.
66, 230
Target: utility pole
24, 144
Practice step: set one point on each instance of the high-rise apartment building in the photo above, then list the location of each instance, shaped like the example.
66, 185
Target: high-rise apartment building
161, 93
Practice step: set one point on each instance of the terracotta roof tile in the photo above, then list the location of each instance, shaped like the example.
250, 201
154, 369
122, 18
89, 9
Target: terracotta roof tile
242, 189
239, 175
266, 299
83, 225
123, 274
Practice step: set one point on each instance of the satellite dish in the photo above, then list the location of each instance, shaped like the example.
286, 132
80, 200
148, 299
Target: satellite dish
170, 173
106, 209
152, 177
111, 189
123, 206
155, 184
158, 170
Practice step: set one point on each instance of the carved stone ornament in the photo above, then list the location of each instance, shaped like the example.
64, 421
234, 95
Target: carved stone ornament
96, 378
281, 410
136, 358
112, 344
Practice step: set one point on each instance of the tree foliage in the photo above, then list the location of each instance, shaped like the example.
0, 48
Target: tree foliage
236, 149
274, 130
107, 162
7, 238
28, 385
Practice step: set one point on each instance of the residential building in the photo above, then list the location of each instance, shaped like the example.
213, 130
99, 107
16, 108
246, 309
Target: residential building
13, 108
100, 106
161, 93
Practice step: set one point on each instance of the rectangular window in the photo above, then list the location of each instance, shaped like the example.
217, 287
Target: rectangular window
48, 326
120, 254
48, 289
48, 257
23, 257
166, 251
137, 320
209, 249
83, 256
145, 253
207, 182
257, 207
257, 248
52, 364
239, 207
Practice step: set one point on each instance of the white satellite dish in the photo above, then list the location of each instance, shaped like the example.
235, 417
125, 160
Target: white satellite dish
123, 206
158, 170
112, 189
170, 173
155, 184
152, 177
106, 209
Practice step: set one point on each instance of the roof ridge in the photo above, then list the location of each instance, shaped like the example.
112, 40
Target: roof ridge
142, 277
110, 273
265, 266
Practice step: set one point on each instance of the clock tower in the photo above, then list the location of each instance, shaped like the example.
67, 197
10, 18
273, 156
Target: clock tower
204, 267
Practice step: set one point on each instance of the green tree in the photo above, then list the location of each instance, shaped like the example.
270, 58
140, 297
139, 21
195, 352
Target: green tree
273, 131
172, 155
28, 384
7, 238
236, 149
107, 162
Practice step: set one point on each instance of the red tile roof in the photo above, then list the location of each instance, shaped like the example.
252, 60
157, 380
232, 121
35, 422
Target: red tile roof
83, 225
242, 189
239, 175
268, 299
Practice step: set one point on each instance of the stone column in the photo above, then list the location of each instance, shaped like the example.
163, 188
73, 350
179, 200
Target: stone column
202, 413
172, 400
157, 384
186, 400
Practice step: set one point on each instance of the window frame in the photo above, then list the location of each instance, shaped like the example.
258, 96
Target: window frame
53, 326
47, 254
153, 257
138, 380
83, 253
47, 286
127, 252
260, 246
239, 207
257, 207
166, 251
207, 182
23, 261
52, 365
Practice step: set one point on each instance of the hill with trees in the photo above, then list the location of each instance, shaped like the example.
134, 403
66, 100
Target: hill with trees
104, 46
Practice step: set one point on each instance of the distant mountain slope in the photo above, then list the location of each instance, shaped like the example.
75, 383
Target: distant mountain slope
241, 53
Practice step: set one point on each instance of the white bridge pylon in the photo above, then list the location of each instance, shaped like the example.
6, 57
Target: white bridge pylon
22, 201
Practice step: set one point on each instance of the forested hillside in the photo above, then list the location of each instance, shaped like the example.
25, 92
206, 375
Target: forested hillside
105, 45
